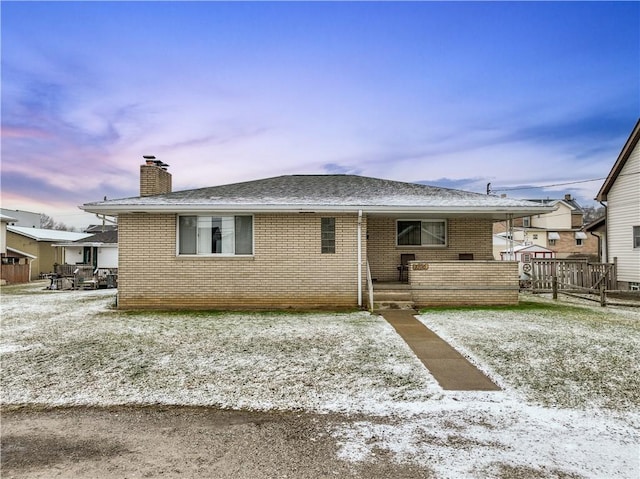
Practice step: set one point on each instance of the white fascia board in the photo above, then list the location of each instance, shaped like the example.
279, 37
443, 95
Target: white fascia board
13, 250
79, 245
494, 212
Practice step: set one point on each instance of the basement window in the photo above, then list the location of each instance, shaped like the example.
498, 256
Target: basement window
431, 233
215, 235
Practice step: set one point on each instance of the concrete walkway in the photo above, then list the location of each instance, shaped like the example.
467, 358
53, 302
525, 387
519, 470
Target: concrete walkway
447, 365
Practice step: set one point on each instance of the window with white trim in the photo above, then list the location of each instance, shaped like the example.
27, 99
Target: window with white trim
636, 237
431, 233
215, 235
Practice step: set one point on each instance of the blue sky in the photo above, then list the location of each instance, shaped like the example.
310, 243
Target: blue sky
455, 94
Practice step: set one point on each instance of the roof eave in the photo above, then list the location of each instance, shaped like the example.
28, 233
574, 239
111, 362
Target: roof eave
628, 147
97, 245
488, 211
14, 250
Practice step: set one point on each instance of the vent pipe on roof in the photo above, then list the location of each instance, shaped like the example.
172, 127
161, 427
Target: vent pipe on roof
154, 177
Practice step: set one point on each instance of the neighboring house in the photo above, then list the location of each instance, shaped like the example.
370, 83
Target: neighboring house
100, 228
99, 250
598, 228
524, 253
38, 242
307, 242
560, 230
26, 219
502, 242
621, 192
14, 265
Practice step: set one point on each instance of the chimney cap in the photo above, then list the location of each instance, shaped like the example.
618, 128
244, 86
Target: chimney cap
151, 161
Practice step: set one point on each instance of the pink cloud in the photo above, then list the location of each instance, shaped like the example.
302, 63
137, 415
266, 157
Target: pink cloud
23, 132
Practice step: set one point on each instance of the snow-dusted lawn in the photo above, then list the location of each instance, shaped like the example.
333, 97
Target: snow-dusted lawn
72, 348
555, 354
570, 405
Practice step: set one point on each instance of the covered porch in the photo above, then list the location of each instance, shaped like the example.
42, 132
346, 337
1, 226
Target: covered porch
420, 261
447, 283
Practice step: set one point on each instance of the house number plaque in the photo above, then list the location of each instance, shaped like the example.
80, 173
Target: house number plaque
420, 266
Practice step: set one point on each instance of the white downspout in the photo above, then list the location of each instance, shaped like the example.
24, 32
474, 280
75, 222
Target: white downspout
359, 258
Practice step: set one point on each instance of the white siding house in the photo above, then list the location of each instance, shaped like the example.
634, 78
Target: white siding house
4, 219
99, 250
621, 192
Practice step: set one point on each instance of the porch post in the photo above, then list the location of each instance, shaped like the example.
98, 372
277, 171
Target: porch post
359, 243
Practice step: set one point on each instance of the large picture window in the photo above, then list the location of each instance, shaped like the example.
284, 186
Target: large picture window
422, 232
212, 235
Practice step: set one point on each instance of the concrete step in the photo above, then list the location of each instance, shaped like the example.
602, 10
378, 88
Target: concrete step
392, 295
387, 305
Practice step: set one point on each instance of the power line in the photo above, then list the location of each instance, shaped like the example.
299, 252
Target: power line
557, 184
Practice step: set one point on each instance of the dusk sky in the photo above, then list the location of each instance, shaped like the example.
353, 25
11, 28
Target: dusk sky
452, 94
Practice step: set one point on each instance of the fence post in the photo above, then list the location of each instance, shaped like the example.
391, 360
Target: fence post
554, 286
603, 296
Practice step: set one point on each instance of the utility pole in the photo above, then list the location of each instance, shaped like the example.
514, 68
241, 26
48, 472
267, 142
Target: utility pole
488, 188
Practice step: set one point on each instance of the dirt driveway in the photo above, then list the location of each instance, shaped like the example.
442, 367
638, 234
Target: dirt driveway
179, 442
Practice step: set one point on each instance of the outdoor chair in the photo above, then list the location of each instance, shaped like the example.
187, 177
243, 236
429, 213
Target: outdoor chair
404, 266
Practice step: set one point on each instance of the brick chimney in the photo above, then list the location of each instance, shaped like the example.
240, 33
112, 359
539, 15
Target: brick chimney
154, 177
567, 197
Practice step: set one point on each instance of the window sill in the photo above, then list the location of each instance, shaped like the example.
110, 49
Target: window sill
221, 257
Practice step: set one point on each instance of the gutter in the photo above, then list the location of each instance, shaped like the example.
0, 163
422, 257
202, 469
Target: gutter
497, 212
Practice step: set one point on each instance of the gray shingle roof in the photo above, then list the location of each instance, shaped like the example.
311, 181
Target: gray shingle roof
40, 234
102, 237
571, 203
317, 191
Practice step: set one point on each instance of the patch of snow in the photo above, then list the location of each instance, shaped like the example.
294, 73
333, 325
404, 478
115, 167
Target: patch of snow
568, 406
473, 438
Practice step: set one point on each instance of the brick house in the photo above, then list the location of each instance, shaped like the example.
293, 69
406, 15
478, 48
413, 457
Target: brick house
307, 242
560, 230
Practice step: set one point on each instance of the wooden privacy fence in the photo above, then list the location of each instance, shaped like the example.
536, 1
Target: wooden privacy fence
15, 273
572, 275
